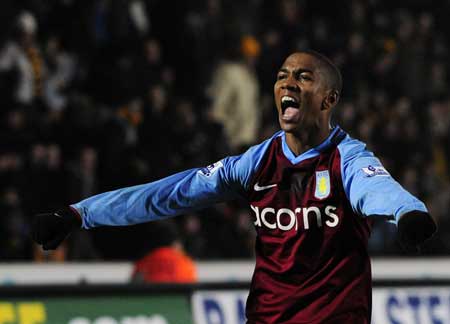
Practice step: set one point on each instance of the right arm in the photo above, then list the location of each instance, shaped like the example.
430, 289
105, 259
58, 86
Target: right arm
193, 189
168, 197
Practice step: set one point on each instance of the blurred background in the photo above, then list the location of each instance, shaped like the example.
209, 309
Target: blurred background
97, 95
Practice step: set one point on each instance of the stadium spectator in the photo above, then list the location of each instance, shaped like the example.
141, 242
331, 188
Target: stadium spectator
22, 56
165, 261
235, 95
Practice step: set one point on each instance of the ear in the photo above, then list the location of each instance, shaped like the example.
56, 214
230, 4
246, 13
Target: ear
331, 99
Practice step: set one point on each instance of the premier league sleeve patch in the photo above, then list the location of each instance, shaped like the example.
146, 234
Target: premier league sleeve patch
322, 184
210, 169
373, 171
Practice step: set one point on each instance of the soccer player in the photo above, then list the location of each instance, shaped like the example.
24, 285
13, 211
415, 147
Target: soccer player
313, 193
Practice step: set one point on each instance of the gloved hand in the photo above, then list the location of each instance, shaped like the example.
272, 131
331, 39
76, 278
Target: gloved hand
414, 228
50, 229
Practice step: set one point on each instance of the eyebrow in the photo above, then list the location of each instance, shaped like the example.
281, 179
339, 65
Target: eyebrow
301, 70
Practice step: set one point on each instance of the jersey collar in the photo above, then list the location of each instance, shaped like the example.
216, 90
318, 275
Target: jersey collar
336, 133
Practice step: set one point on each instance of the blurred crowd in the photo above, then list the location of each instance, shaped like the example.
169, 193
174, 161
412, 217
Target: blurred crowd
101, 94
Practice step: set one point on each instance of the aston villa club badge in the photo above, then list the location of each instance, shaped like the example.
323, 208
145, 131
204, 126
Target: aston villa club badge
322, 184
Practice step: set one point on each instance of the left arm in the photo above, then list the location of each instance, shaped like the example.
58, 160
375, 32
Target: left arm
414, 228
372, 191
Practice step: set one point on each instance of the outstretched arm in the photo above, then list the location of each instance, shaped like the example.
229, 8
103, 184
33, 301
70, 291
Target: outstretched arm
168, 197
171, 196
373, 192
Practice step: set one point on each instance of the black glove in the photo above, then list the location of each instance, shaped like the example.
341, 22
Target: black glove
50, 229
414, 228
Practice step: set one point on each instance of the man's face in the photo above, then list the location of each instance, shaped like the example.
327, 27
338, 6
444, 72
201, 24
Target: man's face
299, 93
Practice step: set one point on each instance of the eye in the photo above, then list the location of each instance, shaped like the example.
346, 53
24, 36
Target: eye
305, 76
281, 76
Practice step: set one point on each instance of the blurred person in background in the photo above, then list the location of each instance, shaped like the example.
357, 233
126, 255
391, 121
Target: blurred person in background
205, 23
23, 58
194, 239
61, 72
235, 95
156, 117
83, 179
149, 65
14, 231
164, 260
310, 168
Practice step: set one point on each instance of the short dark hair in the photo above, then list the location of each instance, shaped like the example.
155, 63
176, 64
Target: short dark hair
334, 77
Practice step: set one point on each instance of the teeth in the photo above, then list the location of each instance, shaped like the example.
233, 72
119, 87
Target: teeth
287, 98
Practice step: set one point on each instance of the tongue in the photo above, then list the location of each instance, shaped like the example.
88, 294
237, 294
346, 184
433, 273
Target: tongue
291, 113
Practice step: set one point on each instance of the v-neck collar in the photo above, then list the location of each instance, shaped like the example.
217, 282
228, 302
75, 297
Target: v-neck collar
312, 152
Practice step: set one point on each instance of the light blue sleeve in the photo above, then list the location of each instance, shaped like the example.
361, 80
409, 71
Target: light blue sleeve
179, 193
369, 187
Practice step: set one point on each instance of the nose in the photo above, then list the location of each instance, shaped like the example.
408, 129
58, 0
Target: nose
290, 85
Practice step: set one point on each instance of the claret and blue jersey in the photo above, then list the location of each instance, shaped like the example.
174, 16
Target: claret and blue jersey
312, 214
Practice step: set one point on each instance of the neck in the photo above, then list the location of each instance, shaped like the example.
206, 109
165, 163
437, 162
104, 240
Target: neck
302, 141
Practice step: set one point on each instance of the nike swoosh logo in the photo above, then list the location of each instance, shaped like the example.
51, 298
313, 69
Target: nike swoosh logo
257, 187
57, 215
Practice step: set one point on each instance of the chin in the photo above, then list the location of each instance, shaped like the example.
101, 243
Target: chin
289, 128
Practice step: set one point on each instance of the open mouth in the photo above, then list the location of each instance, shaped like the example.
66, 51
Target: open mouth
289, 102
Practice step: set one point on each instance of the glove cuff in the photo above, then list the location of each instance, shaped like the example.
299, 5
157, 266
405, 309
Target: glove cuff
71, 216
78, 220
